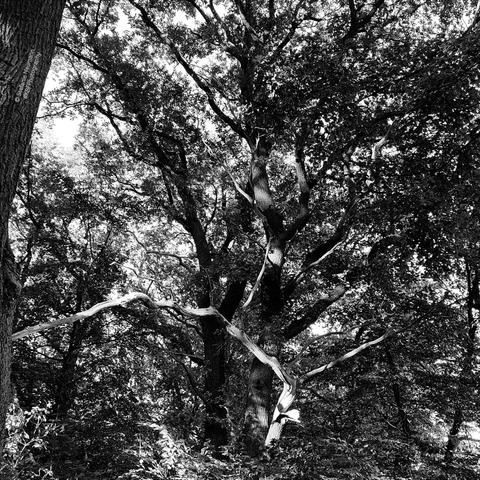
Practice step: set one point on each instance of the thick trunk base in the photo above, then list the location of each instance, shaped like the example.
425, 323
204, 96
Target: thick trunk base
258, 407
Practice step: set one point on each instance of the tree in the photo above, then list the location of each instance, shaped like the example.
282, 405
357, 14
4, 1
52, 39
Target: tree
275, 96
311, 155
28, 32
69, 261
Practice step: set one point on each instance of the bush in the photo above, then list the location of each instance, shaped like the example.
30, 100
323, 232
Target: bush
27, 439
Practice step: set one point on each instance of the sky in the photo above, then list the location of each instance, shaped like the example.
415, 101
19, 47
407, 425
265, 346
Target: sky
65, 129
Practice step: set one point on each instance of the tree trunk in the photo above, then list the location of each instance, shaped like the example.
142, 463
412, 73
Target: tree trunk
258, 407
260, 382
453, 434
402, 414
9, 294
216, 427
66, 388
28, 31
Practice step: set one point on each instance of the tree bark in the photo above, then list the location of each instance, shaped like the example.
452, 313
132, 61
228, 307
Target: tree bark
260, 381
216, 428
9, 294
28, 32
453, 434
258, 407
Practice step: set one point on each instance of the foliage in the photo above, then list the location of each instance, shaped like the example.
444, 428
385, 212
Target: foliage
198, 120
27, 440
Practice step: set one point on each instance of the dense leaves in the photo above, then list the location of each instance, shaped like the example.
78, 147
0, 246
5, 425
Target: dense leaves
311, 170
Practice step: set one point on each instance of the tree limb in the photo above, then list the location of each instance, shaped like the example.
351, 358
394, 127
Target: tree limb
317, 371
304, 188
359, 20
301, 323
259, 278
323, 249
287, 397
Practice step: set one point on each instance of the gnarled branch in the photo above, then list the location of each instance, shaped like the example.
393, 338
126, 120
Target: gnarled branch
290, 383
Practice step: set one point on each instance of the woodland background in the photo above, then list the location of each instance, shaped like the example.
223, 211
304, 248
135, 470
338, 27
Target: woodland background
304, 172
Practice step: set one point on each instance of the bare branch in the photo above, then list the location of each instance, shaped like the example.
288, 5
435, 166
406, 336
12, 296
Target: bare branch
164, 304
240, 190
237, 186
330, 246
377, 147
313, 373
200, 10
287, 397
323, 249
79, 316
80, 56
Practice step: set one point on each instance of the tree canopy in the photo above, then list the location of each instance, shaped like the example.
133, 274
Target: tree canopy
259, 257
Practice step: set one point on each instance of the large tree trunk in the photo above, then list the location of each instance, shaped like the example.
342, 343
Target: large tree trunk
258, 407
216, 428
9, 293
28, 31
260, 382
